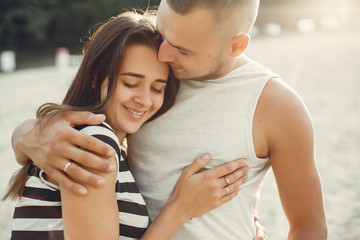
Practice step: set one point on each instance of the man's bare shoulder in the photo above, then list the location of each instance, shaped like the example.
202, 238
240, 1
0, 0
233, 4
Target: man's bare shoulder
279, 99
282, 110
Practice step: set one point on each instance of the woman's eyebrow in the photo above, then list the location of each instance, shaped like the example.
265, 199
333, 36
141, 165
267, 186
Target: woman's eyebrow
131, 74
137, 75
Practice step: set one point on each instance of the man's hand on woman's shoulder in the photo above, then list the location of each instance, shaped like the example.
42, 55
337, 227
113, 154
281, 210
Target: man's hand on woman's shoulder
52, 146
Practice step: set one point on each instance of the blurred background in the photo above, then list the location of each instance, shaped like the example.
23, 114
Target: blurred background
314, 45
39, 27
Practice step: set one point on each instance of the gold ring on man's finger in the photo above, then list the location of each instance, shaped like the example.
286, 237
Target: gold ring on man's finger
67, 166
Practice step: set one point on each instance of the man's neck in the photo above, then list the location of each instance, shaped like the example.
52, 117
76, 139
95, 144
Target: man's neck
234, 64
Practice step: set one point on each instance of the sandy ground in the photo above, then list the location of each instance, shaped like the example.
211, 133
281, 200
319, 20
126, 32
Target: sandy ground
323, 67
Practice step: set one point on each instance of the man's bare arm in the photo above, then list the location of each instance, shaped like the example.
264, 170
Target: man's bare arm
53, 146
289, 134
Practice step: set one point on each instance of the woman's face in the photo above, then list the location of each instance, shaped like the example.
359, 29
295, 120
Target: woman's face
140, 89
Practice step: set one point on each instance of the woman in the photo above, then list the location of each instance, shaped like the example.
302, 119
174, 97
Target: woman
121, 77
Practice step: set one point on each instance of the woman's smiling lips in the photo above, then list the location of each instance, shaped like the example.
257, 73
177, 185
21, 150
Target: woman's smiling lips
136, 114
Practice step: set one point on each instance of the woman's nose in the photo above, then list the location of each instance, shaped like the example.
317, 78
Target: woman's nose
144, 98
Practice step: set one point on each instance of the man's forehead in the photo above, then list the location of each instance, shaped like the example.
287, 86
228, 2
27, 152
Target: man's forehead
194, 23
192, 31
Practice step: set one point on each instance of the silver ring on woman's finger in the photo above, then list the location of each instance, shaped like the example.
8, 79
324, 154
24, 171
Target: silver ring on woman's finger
67, 166
227, 190
227, 180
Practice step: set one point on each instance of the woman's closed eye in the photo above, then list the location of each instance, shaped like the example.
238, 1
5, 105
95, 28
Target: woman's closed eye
129, 85
156, 90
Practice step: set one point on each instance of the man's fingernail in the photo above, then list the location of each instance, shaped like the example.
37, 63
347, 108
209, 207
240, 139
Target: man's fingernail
100, 182
99, 115
205, 156
112, 167
111, 152
82, 191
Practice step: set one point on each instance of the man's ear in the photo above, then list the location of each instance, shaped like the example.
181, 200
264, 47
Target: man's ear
238, 44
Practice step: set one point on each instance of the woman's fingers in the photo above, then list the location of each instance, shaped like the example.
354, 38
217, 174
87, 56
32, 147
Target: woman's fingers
196, 165
230, 191
228, 197
237, 179
228, 168
234, 187
199, 191
232, 174
235, 176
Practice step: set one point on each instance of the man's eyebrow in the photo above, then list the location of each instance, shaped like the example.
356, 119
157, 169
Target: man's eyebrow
174, 45
137, 75
179, 47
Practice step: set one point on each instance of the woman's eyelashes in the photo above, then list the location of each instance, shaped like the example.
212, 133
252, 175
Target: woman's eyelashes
158, 87
129, 85
158, 90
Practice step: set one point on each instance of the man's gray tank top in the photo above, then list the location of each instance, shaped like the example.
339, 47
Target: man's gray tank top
215, 117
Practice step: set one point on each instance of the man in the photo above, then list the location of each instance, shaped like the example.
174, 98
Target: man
228, 106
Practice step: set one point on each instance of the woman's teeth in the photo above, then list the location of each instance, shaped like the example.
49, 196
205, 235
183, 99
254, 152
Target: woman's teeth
135, 113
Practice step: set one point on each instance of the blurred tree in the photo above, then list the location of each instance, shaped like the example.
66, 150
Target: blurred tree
75, 18
25, 23
46, 25
43, 25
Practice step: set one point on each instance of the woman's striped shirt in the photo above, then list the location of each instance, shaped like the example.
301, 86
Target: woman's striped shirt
38, 215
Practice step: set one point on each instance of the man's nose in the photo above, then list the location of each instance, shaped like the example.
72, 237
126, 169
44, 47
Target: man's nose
166, 52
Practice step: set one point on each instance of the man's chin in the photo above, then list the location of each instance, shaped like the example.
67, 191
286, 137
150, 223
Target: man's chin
181, 75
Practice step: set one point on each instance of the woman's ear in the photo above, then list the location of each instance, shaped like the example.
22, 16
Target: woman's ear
104, 88
238, 44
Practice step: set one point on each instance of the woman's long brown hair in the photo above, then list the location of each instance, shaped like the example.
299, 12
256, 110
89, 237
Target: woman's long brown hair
102, 57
